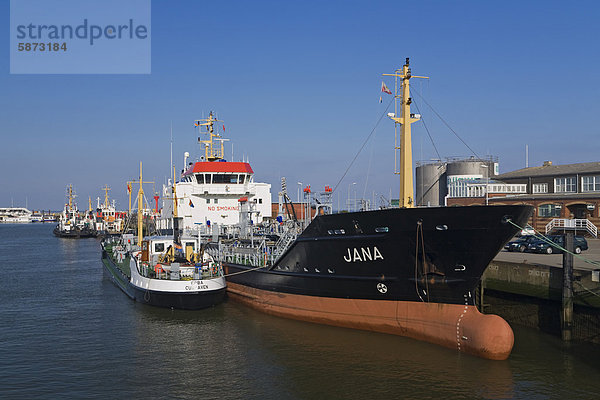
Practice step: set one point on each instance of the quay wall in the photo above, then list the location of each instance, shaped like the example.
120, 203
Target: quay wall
531, 295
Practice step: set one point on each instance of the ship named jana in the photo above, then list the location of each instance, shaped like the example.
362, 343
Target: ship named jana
406, 271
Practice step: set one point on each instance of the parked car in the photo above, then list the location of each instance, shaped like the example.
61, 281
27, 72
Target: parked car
540, 246
527, 231
520, 244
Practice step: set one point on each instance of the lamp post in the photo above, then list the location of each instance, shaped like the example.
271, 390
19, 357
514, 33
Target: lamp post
299, 200
487, 181
350, 184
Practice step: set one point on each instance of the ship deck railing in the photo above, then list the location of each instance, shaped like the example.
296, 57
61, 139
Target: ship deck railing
183, 273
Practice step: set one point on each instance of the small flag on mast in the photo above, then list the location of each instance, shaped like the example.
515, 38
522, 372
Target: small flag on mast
191, 204
385, 89
223, 128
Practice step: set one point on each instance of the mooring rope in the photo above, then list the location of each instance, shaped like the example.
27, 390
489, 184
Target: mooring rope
243, 272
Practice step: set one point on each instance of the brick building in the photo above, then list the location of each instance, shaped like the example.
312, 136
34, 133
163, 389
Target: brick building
556, 191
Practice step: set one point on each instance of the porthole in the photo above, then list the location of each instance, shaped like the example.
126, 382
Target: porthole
382, 229
442, 227
331, 271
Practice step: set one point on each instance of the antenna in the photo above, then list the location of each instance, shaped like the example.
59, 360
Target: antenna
171, 145
526, 156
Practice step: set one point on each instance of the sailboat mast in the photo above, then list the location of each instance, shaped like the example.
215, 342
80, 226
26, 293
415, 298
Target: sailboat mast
406, 199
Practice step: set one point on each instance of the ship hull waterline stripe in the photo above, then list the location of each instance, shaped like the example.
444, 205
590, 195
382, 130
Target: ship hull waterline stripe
454, 326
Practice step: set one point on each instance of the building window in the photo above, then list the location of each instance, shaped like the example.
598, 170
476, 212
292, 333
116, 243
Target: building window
590, 183
540, 188
549, 210
565, 185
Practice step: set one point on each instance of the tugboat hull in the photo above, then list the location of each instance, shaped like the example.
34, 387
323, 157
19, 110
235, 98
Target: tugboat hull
74, 234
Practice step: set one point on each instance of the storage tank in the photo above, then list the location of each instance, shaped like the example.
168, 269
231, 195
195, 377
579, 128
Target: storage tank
430, 184
467, 169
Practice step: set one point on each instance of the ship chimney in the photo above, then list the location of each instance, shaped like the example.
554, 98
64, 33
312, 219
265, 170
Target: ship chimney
547, 163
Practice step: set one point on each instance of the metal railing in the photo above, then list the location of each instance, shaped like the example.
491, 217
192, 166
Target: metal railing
564, 223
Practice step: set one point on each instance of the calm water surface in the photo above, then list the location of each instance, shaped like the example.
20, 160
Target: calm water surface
67, 332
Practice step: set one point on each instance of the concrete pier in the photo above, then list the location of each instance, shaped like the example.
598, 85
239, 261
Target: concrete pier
527, 289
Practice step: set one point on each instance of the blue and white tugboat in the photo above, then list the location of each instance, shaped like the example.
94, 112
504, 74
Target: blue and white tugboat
164, 271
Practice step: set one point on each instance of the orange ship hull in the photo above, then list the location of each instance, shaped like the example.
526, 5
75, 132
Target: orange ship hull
455, 326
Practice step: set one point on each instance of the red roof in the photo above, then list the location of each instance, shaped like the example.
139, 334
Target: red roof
220, 166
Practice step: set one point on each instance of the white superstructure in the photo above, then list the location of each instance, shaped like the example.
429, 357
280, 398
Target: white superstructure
209, 191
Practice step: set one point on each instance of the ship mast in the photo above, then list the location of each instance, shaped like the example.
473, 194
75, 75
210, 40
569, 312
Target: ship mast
106, 189
405, 120
212, 151
139, 216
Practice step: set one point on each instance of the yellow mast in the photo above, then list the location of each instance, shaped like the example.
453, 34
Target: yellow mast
139, 216
106, 189
90, 203
211, 151
405, 120
70, 191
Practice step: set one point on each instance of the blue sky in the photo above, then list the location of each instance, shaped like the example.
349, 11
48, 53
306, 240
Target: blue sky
297, 84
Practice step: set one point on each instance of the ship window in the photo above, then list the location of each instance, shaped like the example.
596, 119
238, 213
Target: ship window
317, 270
200, 178
259, 201
216, 201
305, 269
330, 232
224, 178
331, 270
382, 229
340, 232
242, 178
207, 201
159, 247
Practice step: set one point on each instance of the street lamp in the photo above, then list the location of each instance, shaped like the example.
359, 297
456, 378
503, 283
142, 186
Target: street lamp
350, 184
487, 181
299, 200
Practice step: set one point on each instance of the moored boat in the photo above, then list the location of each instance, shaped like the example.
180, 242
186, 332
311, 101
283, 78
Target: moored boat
406, 271
15, 215
71, 224
164, 271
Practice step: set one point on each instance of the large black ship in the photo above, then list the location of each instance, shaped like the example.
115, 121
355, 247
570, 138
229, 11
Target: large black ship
406, 271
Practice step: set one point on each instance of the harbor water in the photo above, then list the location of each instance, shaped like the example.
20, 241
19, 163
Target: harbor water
67, 332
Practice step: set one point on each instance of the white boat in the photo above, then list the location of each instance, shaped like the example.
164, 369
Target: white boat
15, 215
107, 219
